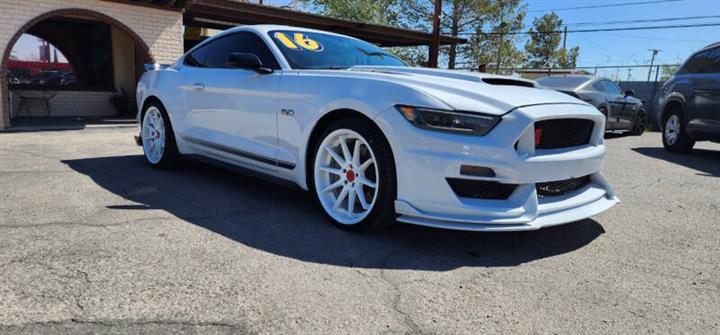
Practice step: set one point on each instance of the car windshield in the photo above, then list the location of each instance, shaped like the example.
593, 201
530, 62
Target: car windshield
311, 50
562, 82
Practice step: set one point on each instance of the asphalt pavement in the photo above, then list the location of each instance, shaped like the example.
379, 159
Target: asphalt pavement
92, 240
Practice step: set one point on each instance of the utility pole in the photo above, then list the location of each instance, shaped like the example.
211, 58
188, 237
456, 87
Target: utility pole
435, 43
629, 70
500, 43
565, 38
652, 60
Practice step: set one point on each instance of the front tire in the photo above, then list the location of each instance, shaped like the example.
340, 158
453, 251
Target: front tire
352, 175
675, 135
158, 138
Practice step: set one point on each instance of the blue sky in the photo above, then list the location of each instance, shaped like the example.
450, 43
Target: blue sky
631, 47
606, 48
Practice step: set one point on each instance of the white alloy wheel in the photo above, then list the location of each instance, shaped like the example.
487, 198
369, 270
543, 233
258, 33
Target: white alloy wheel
153, 135
346, 176
672, 129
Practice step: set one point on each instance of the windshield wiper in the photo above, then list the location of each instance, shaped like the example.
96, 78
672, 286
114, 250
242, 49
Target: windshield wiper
331, 68
374, 53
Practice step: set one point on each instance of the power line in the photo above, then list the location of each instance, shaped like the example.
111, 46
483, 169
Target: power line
644, 20
657, 38
604, 6
600, 29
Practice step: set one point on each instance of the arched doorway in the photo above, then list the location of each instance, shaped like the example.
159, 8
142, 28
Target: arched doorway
105, 55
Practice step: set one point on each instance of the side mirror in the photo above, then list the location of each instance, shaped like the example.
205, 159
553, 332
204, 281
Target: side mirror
629, 93
237, 60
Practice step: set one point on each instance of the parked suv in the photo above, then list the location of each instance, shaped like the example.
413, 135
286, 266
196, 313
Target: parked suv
622, 110
689, 103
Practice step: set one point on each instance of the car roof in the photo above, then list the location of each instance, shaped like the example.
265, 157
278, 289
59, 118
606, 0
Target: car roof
711, 46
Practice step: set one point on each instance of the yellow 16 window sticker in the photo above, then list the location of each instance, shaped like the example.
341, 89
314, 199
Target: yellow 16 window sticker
299, 41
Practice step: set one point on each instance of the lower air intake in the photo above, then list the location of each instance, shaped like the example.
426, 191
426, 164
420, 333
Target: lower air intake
560, 187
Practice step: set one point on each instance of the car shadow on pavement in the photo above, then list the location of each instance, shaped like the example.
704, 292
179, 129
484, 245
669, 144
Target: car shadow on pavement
286, 222
705, 161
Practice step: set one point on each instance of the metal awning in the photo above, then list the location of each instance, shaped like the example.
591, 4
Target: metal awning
224, 14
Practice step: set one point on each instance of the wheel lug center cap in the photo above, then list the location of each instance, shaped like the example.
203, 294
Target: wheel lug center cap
350, 176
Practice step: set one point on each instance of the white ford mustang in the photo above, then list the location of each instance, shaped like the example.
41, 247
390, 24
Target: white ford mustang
376, 141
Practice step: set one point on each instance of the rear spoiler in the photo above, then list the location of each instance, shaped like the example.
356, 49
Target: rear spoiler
156, 66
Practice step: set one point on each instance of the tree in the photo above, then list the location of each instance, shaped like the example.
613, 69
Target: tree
667, 71
494, 41
461, 18
384, 12
568, 59
543, 49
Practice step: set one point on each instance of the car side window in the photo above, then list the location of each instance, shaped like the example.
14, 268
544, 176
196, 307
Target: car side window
697, 64
197, 57
242, 42
712, 64
612, 88
598, 85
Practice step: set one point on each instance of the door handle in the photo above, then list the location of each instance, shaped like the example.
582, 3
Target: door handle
198, 87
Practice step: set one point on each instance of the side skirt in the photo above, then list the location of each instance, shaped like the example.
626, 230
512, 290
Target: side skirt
239, 153
243, 171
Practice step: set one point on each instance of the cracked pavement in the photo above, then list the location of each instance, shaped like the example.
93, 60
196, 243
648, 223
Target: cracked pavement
94, 241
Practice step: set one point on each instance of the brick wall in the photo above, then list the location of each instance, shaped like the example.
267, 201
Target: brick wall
160, 30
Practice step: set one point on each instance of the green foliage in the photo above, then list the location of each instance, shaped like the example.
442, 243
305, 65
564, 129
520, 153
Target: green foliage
543, 49
493, 44
666, 71
414, 56
376, 11
567, 59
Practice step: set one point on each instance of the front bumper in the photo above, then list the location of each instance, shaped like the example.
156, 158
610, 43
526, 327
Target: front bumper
424, 159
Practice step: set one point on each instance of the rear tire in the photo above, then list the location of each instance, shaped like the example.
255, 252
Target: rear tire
352, 175
638, 126
158, 138
675, 136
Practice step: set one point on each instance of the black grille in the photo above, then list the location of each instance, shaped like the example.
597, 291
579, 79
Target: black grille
479, 189
560, 187
562, 133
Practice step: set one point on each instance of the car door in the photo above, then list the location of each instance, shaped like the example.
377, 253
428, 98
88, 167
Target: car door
705, 100
233, 111
611, 120
618, 104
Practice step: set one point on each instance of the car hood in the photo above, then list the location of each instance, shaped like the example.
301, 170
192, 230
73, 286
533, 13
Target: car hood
468, 91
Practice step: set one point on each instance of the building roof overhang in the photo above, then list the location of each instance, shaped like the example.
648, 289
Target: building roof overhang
224, 14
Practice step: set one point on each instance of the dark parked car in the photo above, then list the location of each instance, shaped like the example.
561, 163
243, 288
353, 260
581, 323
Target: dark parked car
689, 104
622, 110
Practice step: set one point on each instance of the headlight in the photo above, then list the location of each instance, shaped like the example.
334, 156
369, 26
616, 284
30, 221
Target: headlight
449, 121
